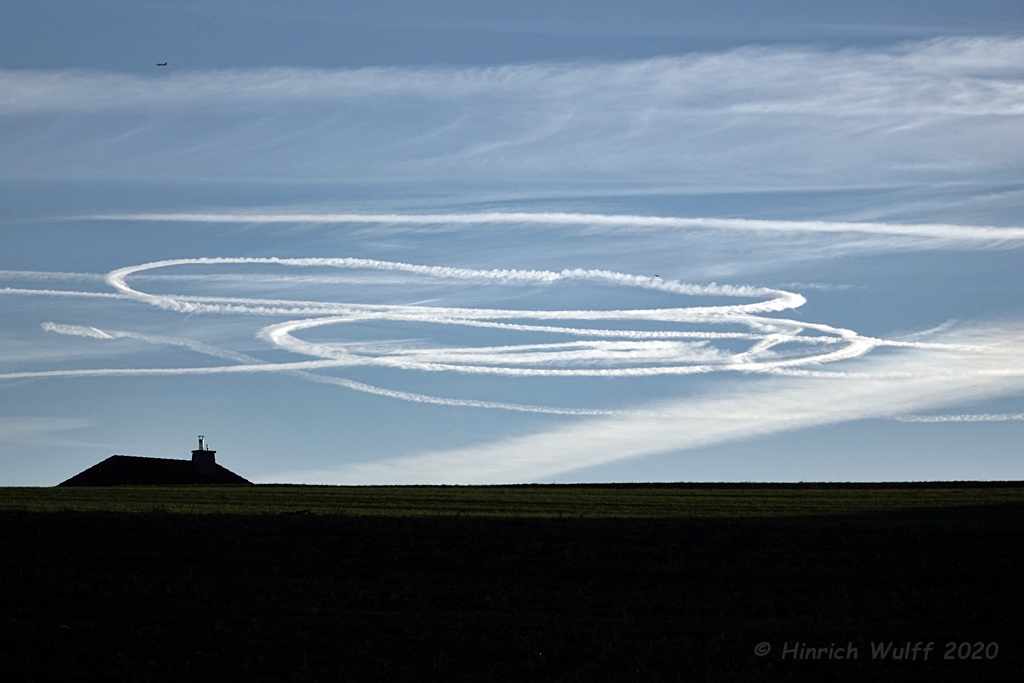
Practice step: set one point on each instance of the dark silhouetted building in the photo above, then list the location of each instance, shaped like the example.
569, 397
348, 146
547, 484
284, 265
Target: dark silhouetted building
119, 470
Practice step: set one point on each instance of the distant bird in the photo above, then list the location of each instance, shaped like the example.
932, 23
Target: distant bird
161, 63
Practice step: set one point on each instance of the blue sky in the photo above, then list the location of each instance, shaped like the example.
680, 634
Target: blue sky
397, 242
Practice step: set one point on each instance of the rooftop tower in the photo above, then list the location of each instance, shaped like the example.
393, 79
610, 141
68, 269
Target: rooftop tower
203, 459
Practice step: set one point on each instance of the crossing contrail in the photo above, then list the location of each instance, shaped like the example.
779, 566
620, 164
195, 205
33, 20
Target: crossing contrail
725, 413
253, 364
772, 345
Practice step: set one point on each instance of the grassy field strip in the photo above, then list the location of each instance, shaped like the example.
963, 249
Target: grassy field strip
682, 501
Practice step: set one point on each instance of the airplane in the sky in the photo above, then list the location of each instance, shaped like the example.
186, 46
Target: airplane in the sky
161, 63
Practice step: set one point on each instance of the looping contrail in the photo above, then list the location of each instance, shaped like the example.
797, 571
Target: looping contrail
683, 341
642, 356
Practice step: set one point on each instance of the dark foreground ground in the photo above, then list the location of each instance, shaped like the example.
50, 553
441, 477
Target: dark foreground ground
170, 597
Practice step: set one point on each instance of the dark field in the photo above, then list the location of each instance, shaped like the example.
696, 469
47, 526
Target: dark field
594, 583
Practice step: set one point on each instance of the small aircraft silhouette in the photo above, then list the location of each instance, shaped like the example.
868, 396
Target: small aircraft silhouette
161, 63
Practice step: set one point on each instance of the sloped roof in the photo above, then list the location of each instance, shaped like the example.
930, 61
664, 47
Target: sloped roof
129, 469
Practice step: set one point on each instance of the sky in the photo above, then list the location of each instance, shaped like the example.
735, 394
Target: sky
478, 243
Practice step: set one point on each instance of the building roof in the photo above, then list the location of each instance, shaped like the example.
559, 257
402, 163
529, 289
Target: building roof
118, 470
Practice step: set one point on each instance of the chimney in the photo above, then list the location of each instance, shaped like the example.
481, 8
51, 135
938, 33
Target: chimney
203, 458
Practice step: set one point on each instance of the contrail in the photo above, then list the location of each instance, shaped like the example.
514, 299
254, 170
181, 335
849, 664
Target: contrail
146, 372
58, 292
184, 342
49, 275
83, 331
971, 75
280, 335
776, 405
981, 417
775, 345
980, 234
249, 363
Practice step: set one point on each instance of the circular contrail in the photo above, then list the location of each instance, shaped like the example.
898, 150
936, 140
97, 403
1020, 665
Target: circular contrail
673, 341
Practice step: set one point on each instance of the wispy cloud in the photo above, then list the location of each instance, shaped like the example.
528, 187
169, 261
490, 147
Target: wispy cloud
251, 364
591, 351
40, 431
745, 118
780, 390
964, 76
732, 413
595, 352
937, 232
